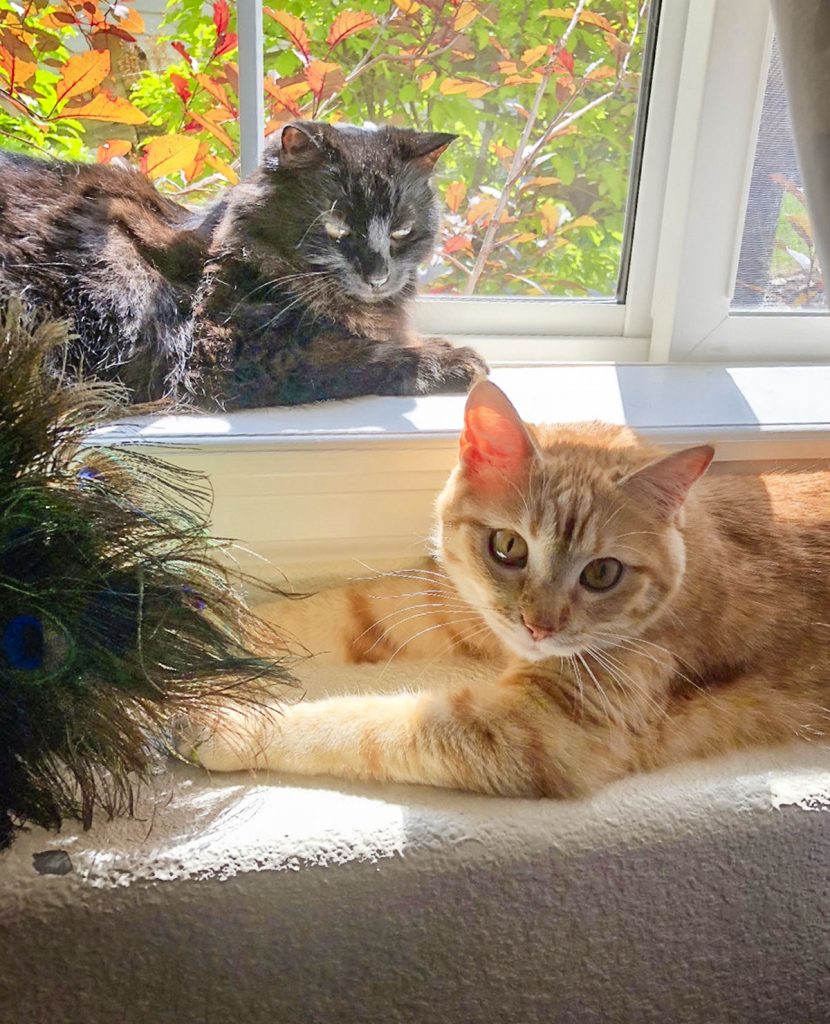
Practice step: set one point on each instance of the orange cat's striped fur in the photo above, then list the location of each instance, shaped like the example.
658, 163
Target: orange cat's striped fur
642, 615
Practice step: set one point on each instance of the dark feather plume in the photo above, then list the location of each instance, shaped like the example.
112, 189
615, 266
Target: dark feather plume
117, 611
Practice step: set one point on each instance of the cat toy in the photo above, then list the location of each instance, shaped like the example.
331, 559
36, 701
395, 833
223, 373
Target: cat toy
117, 612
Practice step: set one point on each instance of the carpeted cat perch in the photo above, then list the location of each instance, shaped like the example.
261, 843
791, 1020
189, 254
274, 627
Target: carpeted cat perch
115, 610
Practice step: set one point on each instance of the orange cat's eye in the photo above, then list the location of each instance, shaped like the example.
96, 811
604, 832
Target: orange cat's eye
601, 574
508, 548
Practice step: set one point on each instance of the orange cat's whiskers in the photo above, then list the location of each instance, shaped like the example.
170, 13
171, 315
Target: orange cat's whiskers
578, 676
616, 670
423, 632
599, 689
394, 625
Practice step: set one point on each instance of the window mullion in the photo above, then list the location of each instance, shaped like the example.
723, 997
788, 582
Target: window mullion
251, 73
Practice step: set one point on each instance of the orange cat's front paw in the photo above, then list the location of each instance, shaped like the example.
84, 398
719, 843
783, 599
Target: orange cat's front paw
231, 741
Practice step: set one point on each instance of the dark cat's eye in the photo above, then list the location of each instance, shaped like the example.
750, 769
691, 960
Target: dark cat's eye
336, 230
508, 548
601, 574
402, 232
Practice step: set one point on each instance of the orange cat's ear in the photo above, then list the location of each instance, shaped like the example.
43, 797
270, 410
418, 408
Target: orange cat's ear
494, 436
664, 484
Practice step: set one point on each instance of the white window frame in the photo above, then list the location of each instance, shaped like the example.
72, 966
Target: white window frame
719, 102
702, 123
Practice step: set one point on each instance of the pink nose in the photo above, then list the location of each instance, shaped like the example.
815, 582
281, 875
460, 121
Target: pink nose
538, 630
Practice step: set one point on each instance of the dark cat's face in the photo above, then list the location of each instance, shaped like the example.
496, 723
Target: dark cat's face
353, 206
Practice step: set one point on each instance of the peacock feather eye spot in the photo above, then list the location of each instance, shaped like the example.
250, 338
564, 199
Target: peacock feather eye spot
88, 475
508, 548
601, 574
23, 643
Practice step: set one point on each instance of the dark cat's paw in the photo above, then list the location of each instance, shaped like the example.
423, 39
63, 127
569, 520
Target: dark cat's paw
447, 369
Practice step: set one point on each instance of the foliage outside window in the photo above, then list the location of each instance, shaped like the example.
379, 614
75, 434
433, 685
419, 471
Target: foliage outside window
544, 100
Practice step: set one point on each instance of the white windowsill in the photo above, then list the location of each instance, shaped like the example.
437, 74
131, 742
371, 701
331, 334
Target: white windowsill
343, 481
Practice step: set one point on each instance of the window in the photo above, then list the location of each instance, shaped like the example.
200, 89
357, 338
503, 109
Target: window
777, 266
613, 153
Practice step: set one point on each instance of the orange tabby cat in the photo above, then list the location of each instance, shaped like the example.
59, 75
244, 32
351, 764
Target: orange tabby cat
643, 616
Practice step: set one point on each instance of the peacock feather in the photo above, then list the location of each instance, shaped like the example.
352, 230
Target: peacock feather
117, 609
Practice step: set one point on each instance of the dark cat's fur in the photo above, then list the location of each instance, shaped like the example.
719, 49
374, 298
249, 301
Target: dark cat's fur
251, 301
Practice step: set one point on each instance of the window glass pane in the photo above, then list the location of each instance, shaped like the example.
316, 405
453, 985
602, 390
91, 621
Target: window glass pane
544, 103
544, 98
777, 267
132, 79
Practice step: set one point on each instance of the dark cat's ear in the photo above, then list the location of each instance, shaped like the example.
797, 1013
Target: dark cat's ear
665, 484
298, 145
494, 438
422, 149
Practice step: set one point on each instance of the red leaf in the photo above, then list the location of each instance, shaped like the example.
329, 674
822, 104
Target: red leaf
181, 87
228, 42
221, 17
567, 59
64, 18
182, 49
346, 24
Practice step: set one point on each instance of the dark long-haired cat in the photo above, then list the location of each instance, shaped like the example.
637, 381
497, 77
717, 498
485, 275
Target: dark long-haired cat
292, 287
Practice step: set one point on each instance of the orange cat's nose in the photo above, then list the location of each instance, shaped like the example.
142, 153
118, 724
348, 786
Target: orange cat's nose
538, 630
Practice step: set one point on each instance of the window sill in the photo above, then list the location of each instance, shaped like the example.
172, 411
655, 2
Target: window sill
347, 481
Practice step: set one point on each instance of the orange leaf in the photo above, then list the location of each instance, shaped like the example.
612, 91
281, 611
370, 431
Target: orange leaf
287, 95
282, 117
131, 22
533, 76
579, 222
466, 13
457, 243
216, 90
168, 154
483, 208
106, 107
425, 81
17, 71
197, 164
346, 24
82, 73
320, 73
473, 89
408, 6
454, 195
520, 239
214, 129
601, 72
534, 53
295, 27
222, 168
586, 17
542, 182
550, 216
112, 148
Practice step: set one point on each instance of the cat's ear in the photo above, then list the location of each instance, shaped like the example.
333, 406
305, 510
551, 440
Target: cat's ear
494, 440
665, 484
298, 145
422, 149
